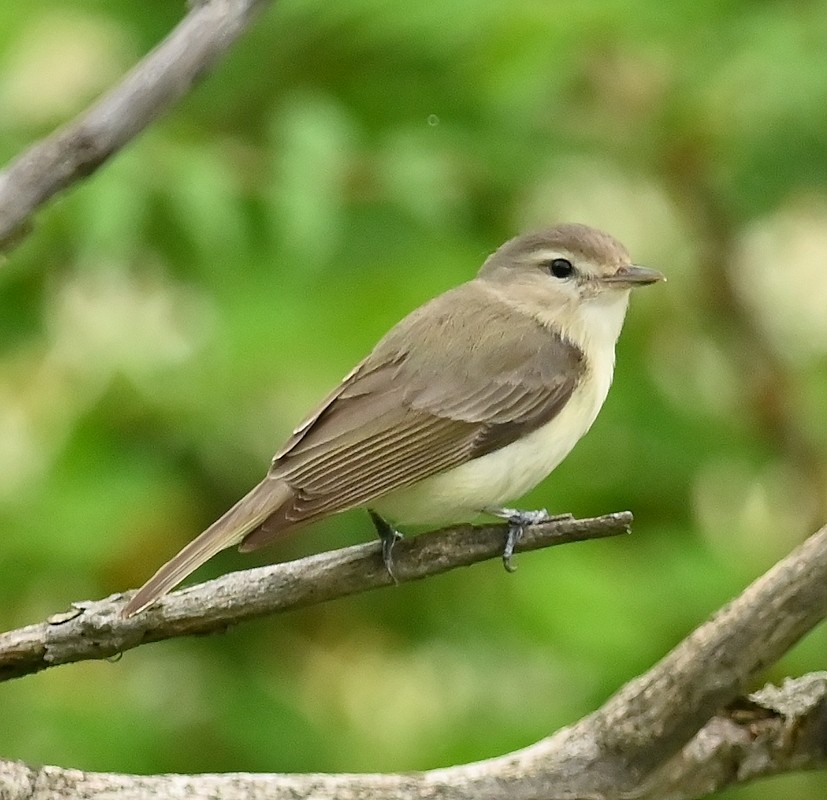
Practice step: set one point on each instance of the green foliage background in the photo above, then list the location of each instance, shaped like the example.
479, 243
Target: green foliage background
171, 319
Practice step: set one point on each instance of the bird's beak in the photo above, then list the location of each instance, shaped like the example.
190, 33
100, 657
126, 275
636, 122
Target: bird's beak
630, 276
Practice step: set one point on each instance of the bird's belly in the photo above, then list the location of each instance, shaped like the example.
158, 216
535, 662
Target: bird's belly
500, 477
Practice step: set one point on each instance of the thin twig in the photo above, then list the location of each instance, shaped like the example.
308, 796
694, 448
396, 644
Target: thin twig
96, 629
157, 82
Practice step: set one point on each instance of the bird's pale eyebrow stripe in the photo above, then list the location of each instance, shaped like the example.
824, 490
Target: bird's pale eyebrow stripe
550, 255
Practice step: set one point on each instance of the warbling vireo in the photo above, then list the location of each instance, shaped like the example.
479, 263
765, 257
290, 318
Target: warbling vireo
466, 404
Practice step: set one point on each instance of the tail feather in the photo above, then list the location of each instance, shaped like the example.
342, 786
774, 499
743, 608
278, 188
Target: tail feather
247, 514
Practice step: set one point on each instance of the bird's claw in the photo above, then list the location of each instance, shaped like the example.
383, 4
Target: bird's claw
518, 521
389, 536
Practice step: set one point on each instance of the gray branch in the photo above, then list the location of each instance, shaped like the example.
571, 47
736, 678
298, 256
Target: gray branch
754, 740
96, 629
162, 78
676, 732
773, 731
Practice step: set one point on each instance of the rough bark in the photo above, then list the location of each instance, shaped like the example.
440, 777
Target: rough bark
676, 732
95, 628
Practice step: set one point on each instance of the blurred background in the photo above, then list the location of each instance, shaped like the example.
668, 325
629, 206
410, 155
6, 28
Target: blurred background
172, 318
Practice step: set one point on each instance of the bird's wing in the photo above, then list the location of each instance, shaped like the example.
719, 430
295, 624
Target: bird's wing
440, 389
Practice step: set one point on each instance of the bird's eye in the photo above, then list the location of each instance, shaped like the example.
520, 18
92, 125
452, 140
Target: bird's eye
560, 267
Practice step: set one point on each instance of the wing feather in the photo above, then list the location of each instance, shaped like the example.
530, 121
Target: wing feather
415, 407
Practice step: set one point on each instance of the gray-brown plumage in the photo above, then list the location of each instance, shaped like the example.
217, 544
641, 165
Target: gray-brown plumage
469, 373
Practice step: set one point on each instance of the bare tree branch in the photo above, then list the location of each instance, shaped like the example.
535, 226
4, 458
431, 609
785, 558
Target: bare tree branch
162, 78
736, 746
651, 718
670, 734
96, 629
770, 732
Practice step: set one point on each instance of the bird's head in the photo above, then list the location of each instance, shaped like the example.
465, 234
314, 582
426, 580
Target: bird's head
571, 263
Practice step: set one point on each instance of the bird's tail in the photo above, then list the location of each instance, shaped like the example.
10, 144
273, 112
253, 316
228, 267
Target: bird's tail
247, 514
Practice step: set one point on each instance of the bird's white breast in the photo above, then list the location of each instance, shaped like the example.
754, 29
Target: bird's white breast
500, 477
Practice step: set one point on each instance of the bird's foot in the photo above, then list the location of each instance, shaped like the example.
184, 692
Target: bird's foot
389, 536
518, 521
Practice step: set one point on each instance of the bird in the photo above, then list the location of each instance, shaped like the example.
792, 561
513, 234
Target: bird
462, 407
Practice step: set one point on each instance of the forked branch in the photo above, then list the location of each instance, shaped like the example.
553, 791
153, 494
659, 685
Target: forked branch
674, 733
